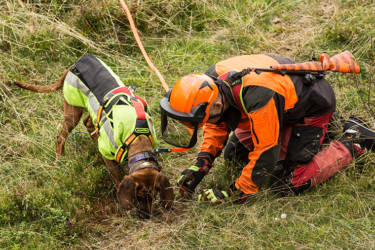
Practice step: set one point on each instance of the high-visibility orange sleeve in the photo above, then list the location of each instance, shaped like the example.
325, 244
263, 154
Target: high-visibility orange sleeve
264, 127
214, 138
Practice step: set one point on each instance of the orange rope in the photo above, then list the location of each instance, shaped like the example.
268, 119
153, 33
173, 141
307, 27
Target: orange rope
21, 3
136, 36
138, 40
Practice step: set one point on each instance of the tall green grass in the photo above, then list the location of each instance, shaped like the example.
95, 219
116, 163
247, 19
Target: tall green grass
71, 203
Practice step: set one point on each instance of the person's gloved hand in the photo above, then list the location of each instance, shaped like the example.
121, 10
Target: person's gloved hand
216, 196
191, 177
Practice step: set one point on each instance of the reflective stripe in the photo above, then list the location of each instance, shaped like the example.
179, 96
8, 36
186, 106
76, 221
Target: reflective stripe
106, 125
94, 104
108, 130
119, 155
75, 82
130, 139
126, 144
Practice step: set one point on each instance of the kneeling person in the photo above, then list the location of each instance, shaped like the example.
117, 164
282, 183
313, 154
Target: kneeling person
278, 120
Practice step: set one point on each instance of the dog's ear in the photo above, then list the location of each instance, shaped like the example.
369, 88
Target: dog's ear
166, 191
126, 193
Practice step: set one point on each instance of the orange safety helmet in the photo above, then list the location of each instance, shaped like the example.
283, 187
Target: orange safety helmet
189, 103
192, 90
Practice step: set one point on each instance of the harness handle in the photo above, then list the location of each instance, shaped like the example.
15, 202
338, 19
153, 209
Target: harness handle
97, 123
170, 150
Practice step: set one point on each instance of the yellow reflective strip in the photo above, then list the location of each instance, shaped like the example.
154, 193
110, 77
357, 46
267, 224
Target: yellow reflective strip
130, 139
119, 155
194, 168
121, 151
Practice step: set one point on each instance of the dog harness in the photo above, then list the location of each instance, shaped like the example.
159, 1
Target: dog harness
141, 126
118, 114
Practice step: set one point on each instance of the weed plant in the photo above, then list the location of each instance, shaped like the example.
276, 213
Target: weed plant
70, 202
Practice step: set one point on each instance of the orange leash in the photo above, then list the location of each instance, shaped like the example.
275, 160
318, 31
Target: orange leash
144, 53
138, 40
21, 3
170, 150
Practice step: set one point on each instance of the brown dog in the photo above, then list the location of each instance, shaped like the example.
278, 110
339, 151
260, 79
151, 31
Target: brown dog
93, 79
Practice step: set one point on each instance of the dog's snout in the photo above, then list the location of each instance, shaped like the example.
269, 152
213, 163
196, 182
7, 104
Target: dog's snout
144, 206
143, 214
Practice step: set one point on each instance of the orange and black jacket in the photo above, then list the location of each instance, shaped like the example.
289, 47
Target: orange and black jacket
269, 101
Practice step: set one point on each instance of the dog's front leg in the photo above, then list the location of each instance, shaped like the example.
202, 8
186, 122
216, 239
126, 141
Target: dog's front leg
87, 121
114, 171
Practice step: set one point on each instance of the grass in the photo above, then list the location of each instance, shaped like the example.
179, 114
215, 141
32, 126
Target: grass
71, 203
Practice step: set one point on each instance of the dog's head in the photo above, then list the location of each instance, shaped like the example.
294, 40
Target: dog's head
141, 188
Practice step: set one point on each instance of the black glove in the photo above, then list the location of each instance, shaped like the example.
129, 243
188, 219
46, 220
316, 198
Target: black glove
191, 177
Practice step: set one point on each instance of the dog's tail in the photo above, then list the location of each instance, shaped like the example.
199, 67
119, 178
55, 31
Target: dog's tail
43, 89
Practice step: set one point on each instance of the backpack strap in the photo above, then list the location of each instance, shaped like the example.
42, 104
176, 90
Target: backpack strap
237, 96
235, 86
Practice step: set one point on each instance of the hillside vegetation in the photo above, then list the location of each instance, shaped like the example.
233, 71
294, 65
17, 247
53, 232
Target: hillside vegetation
71, 203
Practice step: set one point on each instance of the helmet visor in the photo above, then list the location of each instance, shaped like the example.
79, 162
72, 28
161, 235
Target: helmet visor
178, 133
178, 128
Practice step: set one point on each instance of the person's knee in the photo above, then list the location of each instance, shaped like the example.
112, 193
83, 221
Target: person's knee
304, 144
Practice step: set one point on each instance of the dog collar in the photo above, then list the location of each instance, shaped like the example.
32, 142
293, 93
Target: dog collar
143, 156
146, 157
143, 165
